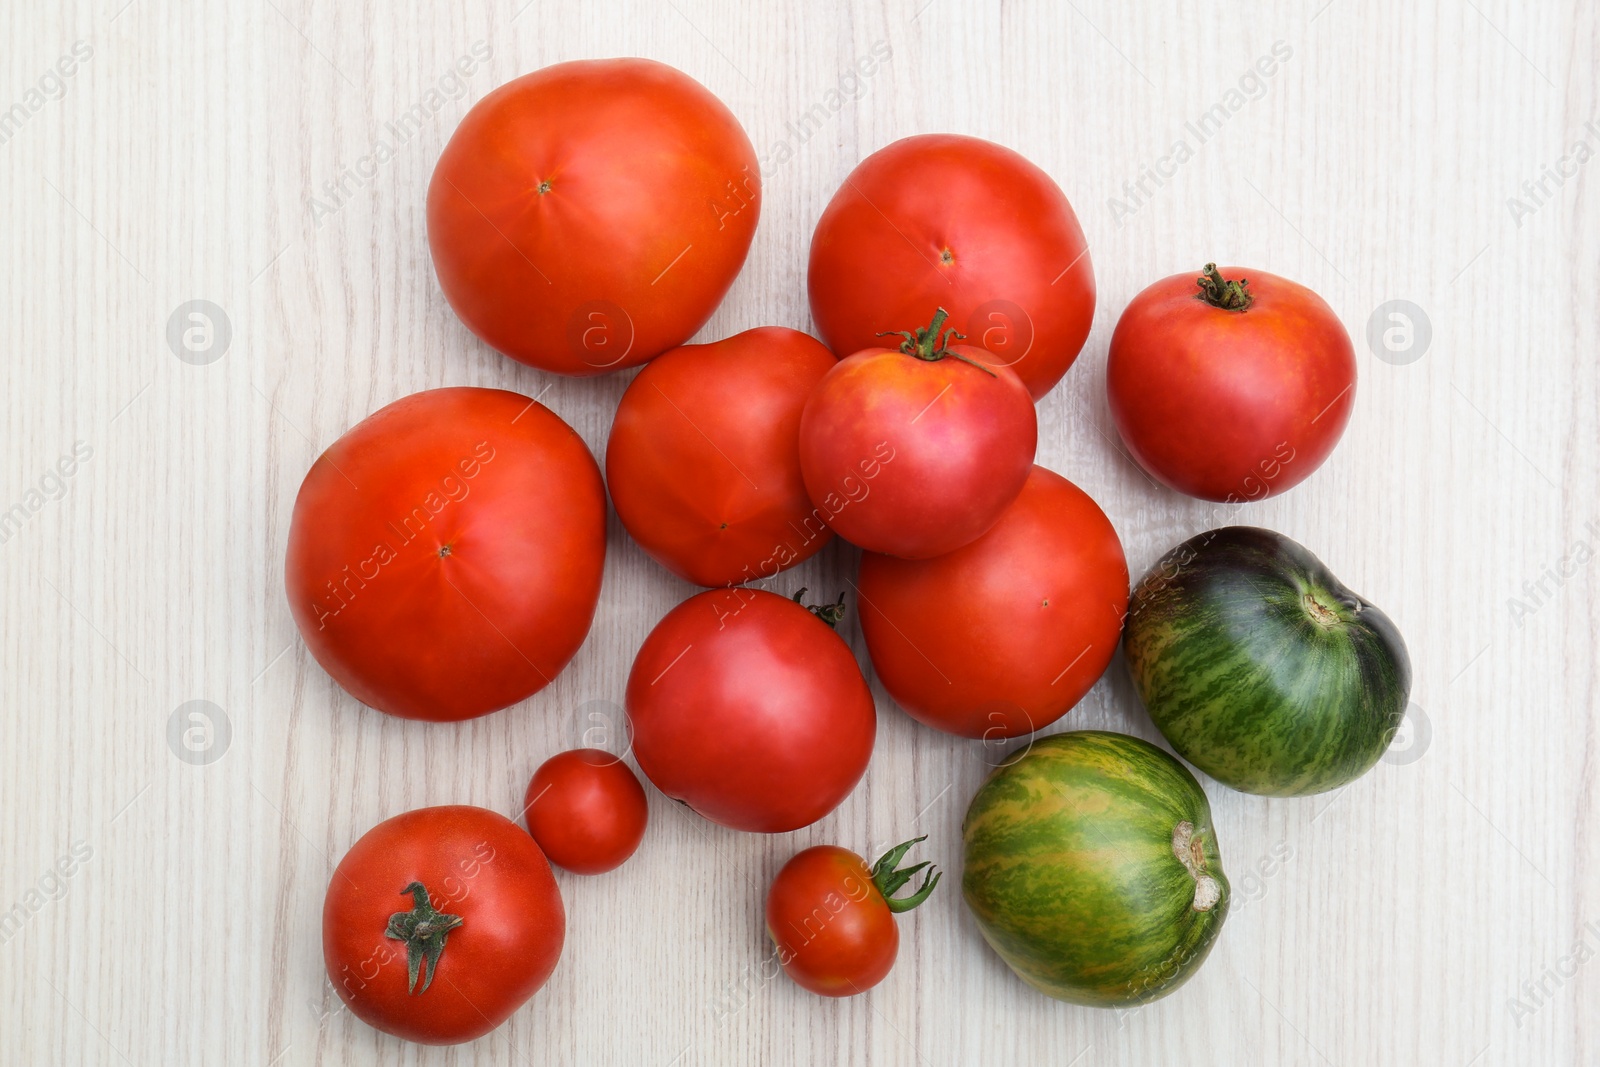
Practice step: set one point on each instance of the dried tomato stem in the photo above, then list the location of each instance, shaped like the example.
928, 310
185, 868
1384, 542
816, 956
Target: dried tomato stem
1219, 292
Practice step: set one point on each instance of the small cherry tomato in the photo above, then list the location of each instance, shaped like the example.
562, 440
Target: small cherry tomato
586, 810
1232, 386
832, 919
915, 451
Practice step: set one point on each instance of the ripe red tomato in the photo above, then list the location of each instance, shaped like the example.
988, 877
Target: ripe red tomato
832, 920
750, 709
441, 922
445, 554
916, 451
1003, 636
1230, 390
704, 458
586, 810
592, 214
965, 223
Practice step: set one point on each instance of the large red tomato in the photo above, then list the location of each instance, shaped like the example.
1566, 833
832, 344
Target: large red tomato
964, 223
750, 709
1003, 636
832, 920
1232, 386
592, 214
441, 922
704, 458
915, 451
445, 554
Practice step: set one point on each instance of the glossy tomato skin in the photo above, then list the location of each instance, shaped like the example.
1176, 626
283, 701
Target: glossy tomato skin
751, 710
703, 463
915, 458
834, 932
445, 554
586, 810
591, 215
1005, 635
966, 224
476, 865
1230, 405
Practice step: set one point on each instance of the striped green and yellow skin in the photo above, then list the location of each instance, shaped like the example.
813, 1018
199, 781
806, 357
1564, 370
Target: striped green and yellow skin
1072, 871
1261, 668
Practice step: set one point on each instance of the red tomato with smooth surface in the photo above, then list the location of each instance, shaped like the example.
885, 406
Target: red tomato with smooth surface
441, 922
751, 710
832, 919
586, 810
1003, 636
445, 554
1233, 396
916, 451
966, 224
591, 215
704, 457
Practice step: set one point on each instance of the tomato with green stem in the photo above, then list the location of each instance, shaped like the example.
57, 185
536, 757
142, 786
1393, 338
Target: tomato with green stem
1227, 387
832, 919
440, 923
916, 450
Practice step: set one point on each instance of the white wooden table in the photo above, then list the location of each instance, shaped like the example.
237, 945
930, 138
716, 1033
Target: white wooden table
1443, 910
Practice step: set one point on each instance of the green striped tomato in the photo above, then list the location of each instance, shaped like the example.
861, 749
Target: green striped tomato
1261, 668
1092, 868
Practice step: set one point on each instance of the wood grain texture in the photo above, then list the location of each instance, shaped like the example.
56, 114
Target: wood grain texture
1402, 920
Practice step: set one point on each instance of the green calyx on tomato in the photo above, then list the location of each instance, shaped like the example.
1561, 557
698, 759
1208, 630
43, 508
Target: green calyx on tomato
925, 343
423, 929
1219, 292
889, 877
832, 614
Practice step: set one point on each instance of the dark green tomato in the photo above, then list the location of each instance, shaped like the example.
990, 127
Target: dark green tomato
1261, 668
